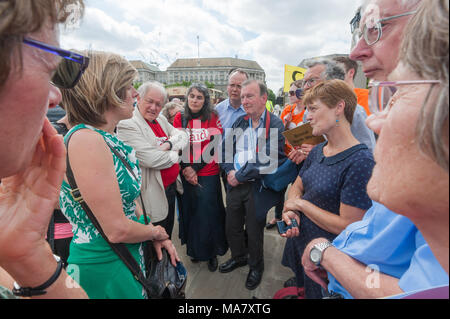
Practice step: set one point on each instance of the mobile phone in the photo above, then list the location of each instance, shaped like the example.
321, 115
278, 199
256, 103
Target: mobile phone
283, 227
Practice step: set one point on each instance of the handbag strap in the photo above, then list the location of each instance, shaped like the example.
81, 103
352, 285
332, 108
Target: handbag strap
119, 248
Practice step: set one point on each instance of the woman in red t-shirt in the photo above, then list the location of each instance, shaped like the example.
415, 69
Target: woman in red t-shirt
202, 213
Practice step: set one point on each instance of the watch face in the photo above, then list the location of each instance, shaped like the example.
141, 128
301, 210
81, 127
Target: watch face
315, 255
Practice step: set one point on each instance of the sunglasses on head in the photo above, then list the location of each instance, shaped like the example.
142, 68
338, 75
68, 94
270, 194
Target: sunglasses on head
71, 67
298, 93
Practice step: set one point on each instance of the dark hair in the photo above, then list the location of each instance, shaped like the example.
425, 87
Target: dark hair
207, 109
348, 64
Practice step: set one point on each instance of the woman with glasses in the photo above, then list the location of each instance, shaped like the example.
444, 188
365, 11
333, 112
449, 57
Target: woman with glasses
32, 156
410, 177
108, 177
412, 152
202, 213
330, 191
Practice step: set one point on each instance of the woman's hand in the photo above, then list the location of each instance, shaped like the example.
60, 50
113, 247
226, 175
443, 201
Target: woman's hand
159, 233
28, 198
286, 217
169, 246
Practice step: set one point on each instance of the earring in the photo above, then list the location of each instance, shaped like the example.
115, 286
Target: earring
337, 122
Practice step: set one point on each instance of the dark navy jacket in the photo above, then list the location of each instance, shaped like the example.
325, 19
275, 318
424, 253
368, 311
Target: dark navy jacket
251, 172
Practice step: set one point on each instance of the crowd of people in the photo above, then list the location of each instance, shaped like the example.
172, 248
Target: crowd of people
371, 200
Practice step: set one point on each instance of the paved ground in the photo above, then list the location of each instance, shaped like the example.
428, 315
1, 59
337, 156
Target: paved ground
203, 284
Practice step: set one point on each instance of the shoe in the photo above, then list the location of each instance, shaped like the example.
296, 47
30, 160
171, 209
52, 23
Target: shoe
212, 264
253, 279
291, 282
231, 265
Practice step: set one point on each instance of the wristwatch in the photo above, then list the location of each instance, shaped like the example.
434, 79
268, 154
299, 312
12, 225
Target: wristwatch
38, 291
316, 253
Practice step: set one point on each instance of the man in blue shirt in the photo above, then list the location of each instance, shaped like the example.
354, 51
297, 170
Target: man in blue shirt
384, 254
245, 152
231, 109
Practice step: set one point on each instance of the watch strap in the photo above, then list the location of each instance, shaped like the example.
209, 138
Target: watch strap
40, 290
322, 247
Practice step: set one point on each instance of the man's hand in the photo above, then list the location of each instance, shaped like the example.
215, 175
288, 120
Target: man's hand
231, 179
190, 175
317, 274
299, 154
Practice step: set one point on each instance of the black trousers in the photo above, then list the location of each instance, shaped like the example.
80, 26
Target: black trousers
240, 212
167, 224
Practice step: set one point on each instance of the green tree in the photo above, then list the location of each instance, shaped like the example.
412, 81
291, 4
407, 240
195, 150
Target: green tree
272, 97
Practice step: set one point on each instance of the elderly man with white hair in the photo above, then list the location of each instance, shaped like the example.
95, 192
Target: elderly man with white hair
157, 144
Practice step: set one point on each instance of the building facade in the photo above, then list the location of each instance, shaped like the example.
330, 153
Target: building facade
213, 70
148, 72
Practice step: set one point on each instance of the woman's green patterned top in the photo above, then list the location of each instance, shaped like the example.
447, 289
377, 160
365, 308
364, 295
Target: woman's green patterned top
83, 230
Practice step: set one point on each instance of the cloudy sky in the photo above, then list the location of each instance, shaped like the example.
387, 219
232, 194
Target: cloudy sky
270, 32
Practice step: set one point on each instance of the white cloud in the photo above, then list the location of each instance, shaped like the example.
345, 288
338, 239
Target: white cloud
273, 33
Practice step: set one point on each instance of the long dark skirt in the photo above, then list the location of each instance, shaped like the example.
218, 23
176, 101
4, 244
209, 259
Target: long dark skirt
202, 219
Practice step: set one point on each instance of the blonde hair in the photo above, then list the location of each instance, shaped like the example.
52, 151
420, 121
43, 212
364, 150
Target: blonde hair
331, 93
19, 18
102, 87
425, 51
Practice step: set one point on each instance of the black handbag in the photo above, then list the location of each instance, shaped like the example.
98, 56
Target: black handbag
162, 279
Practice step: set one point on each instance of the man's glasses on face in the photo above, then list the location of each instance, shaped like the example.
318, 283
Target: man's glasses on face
372, 32
298, 93
69, 69
381, 94
310, 82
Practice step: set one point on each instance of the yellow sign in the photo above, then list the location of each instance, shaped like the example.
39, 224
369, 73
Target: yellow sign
292, 74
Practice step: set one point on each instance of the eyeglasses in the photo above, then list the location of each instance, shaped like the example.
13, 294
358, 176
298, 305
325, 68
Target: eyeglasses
298, 93
381, 94
354, 23
372, 32
310, 82
69, 69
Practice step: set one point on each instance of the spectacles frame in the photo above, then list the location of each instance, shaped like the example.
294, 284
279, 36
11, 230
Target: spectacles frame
65, 54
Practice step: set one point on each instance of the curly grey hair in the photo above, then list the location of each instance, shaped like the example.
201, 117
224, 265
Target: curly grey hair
333, 71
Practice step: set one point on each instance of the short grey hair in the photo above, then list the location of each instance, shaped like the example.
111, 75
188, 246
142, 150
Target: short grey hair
153, 85
333, 71
168, 107
262, 87
404, 4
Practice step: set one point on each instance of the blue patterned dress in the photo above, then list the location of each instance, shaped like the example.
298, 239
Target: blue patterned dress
328, 182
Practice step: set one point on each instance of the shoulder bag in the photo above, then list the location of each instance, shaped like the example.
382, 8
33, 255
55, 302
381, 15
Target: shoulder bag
162, 279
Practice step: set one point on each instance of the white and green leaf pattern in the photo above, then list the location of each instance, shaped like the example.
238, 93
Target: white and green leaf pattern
83, 230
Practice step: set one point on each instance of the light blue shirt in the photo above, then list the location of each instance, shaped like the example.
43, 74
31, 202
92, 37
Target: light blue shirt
391, 244
228, 114
247, 142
